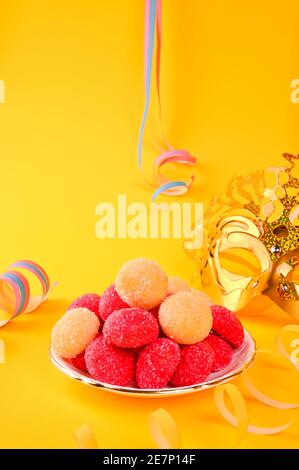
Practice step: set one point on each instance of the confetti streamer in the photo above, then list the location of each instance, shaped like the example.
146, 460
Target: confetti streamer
240, 419
153, 24
261, 396
85, 438
15, 294
237, 420
164, 430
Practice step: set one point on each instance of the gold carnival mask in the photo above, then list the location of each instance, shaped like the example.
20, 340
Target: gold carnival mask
251, 240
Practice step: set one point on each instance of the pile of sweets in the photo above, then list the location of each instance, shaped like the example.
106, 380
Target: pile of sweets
147, 330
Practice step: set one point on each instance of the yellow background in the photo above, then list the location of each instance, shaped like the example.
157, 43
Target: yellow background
68, 133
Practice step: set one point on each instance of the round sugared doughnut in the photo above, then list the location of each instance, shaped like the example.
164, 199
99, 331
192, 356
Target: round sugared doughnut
204, 297
228, 325
185, 317
109, 364
157, 363
90, 301
223, 352
110, 302
131, 328
142, 283
73, 331
176, 284
195, 365
79, 362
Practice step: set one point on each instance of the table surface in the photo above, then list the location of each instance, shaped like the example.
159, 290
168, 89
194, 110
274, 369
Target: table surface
69, 127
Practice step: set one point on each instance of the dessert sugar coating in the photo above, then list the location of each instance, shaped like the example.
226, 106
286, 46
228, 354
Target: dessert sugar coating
157, 331
223, 352
176, 284
227, 325
142, 283
157, 363
79, 362
195, 365
204, 297
185, 318
90, 301
74, 331
131, 328
108, 363
110, 302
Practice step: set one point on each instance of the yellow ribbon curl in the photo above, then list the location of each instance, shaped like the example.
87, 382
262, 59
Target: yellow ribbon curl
240, 417
164, 430
85, 438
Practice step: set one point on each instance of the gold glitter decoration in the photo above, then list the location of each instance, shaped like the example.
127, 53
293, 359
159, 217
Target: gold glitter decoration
281, 235
286, 289
259, 215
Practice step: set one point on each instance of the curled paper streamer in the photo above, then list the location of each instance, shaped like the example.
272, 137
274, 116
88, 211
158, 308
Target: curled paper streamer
164, 430
261, 396
238, 400
15, 295
153, 25
85, 438
240, 419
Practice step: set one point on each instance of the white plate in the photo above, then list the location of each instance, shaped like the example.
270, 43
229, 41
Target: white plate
242, 359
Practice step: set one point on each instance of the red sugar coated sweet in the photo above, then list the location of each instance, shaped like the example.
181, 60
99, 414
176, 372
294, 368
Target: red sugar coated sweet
157, 363
110, 302
223, 353
109, 364
195, 365
79, 362
227, 325
90, 301
131, 328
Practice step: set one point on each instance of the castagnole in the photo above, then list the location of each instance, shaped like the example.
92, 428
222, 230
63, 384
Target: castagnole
176, 284
147, 331
90, 301
227, 325
110, 302
142, 283
156, 363
74, 331
79, 362
185, 317
195, 365
223, 352
109, 364
131, 328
